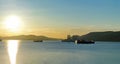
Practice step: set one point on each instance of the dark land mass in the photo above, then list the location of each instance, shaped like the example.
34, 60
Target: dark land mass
102, 36
96, 36
28, 37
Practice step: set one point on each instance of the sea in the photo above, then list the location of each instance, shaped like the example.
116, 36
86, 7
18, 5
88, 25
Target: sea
57, 52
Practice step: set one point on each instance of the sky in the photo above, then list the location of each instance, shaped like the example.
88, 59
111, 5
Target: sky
58, 18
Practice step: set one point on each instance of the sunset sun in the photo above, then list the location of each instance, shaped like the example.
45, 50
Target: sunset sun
12, 23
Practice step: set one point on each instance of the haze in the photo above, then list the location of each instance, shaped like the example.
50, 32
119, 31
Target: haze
58, 18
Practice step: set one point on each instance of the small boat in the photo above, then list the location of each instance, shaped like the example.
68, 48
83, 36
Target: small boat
84, 42
38, 40
66, 40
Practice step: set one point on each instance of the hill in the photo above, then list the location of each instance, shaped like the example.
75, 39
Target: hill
29, 37
102, 36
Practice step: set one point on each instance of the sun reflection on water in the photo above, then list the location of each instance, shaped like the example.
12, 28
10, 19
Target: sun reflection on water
12, 46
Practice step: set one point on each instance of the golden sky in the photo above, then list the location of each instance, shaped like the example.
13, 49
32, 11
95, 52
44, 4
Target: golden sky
58, 18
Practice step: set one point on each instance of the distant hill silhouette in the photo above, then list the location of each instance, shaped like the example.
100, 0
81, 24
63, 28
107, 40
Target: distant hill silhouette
102, 36
96, 36
29, 37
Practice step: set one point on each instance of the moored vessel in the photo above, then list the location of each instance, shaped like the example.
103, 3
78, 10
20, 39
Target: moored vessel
84, 42
38, 40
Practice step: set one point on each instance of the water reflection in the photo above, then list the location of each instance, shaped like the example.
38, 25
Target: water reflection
12, 46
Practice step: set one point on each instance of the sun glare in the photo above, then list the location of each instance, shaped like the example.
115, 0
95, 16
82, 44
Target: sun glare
12, 23
12, 50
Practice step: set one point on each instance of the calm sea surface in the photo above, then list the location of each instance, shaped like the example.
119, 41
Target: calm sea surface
56, 52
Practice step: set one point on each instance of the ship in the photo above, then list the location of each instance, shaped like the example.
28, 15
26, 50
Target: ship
84, 42
66, 40
38, 40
